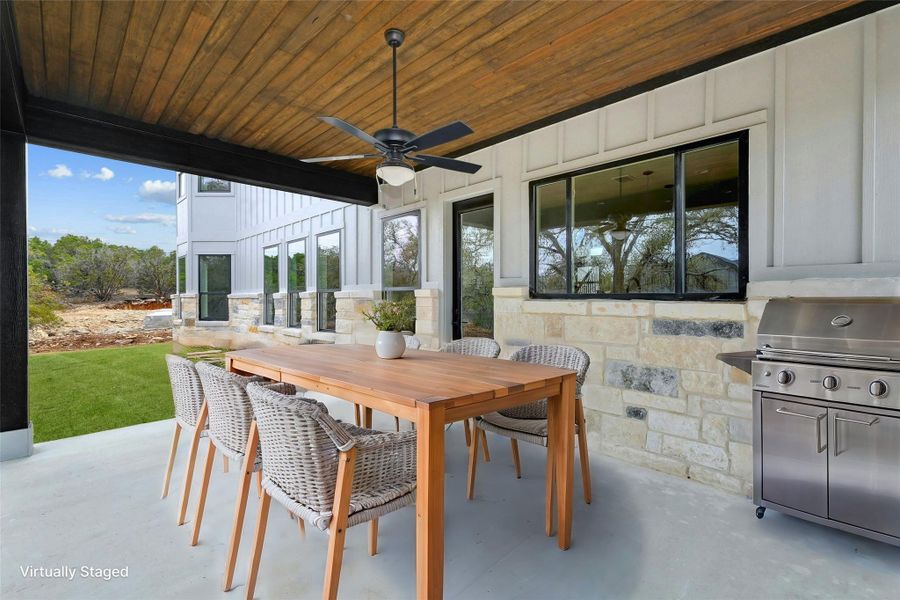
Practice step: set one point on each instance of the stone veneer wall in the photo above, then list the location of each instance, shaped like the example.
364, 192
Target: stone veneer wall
245, 328
428, 328
655, 395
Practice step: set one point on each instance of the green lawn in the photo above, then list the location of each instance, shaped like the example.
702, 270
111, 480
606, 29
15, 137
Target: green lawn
73, 393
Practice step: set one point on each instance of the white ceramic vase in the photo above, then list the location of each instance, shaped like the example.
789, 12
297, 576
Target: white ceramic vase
390, 344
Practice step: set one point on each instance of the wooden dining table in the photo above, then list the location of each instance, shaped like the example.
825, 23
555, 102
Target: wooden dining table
431, 389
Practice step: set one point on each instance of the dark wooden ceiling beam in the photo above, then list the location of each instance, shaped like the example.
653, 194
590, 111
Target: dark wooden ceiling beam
70, 128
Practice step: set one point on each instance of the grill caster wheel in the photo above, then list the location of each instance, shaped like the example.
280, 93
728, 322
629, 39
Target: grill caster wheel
760, 512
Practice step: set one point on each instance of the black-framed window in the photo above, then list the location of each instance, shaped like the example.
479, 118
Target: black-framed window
667, 225
181, 286
214, 285
296, 252
401, 255
270, 283
213, 185
328, 278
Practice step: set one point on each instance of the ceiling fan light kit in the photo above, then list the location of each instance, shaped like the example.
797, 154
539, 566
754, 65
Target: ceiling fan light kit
395, 144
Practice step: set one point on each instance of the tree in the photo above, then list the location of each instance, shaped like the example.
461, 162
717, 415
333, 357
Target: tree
100, 272
155, 272
43, 302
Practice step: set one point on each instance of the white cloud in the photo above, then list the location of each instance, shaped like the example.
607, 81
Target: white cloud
60, 171
48, 231
123, 229
162, 219
104, 174
158, 191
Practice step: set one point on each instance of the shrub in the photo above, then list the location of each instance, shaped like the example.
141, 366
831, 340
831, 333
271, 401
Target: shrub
43, 302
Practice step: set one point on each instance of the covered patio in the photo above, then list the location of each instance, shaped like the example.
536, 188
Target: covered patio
91, 500
587, 137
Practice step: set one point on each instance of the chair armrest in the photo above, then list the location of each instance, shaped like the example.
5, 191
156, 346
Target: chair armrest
288, 389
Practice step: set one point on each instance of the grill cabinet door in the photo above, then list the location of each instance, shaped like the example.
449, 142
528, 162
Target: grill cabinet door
864, 485
794, 455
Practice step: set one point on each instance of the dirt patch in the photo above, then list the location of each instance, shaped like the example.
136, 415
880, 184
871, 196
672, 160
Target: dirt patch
95, 326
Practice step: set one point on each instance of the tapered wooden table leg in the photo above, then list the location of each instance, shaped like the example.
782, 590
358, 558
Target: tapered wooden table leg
561, 425
430, 502
367, 417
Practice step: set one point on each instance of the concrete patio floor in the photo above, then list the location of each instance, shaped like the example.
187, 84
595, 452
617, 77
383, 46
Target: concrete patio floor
94, 501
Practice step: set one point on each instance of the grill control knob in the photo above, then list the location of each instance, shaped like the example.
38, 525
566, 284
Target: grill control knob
878, 388
831, 382
785, 377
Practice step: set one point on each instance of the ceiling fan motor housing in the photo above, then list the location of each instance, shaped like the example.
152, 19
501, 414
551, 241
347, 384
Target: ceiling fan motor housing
394, 136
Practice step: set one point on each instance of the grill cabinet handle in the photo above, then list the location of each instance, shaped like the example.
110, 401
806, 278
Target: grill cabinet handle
817, 418
837, 445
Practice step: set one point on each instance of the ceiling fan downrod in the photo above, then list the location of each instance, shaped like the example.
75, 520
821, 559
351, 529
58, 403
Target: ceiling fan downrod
394, 38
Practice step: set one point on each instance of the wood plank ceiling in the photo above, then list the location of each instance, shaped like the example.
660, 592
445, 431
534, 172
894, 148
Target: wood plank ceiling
258, 73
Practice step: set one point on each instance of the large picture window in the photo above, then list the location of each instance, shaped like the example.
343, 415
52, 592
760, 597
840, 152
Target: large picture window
328, 278
213, 185
668, 225
270, 283
296, 279
214, 286
401, 251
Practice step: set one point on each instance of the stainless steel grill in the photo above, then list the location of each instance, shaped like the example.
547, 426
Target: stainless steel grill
826, 409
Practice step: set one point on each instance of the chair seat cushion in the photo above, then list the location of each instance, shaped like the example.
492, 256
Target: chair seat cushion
526, 430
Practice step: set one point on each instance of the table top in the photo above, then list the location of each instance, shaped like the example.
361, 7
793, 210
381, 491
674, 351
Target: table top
421, 376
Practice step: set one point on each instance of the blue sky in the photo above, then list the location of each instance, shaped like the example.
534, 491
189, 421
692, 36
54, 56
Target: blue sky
118, 202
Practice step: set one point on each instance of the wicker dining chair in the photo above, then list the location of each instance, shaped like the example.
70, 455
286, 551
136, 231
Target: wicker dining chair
187, 394
230, 418
528, 422
330, 474
474, 346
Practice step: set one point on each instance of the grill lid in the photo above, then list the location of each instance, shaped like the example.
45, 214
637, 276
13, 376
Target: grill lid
832, 329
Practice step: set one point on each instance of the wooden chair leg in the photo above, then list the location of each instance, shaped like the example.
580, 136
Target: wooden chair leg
514, 444
259, 484
338, 528
204, 486
548, 506
373, 537
473, 464
240, 504
192, 456
356, 419
171, 463
301, 525
583, 452
487, 453
367, 417
224, 464
468, 431
259, 537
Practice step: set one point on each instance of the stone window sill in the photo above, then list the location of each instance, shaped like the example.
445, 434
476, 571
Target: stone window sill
266, 328
212, 323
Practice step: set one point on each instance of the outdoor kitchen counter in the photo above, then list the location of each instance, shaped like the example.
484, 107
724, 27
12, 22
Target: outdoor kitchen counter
738, 360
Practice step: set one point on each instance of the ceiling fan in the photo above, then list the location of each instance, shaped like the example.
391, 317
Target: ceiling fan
395, 144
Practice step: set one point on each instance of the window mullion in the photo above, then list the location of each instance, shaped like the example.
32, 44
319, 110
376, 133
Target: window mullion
570, 227
680, 250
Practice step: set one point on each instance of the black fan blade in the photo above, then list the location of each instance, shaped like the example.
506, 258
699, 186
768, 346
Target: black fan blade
330, 158
436, 137
352, 130
446, 163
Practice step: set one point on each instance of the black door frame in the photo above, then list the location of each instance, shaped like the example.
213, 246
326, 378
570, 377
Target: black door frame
460, 207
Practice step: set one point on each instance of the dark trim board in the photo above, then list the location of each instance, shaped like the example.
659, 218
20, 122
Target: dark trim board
80, 130
13, 285
866, 7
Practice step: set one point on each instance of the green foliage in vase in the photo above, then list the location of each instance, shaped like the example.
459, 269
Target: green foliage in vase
393, 315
